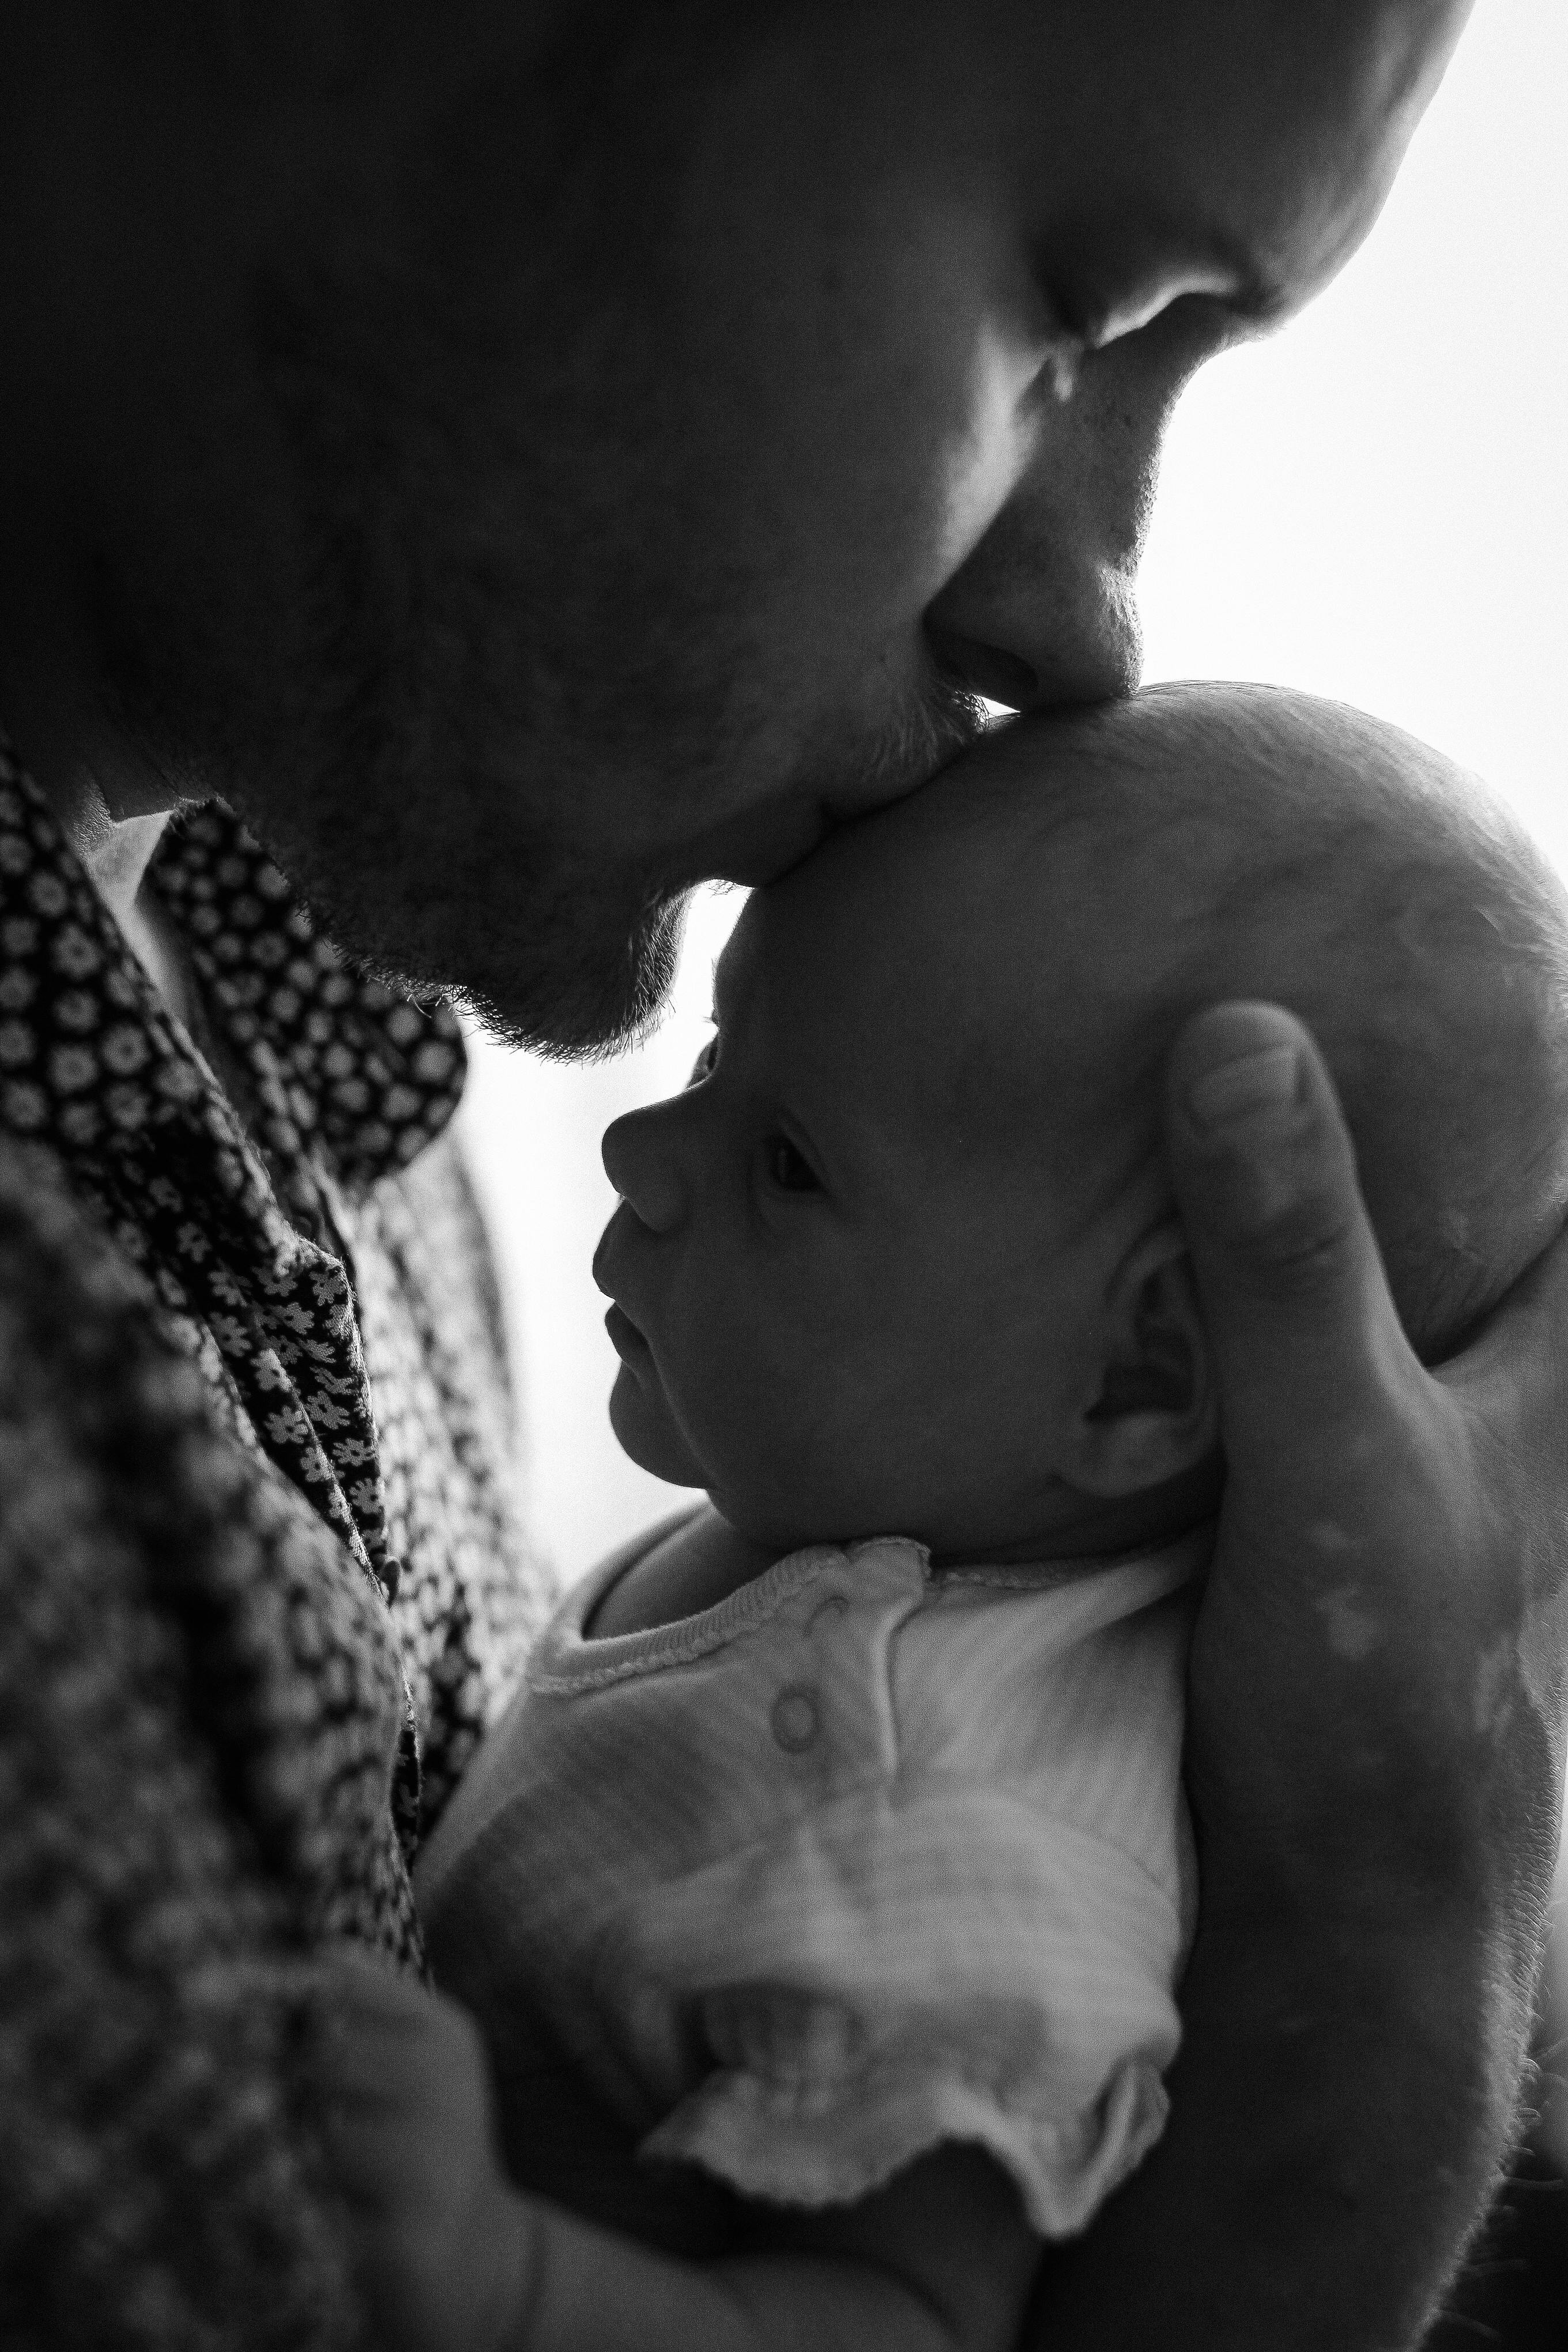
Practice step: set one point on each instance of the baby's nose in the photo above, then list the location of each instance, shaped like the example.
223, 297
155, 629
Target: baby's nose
644, 1169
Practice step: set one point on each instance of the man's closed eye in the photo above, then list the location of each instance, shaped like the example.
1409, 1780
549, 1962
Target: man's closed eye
788, 1169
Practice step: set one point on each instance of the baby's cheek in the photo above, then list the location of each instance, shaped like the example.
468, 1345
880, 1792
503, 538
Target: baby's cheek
802, 1465
709, 1375
648, 1431
756, 1416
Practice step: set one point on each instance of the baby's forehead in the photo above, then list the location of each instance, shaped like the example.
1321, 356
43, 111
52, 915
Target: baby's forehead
1170, 809
1078, 876
934, 950
1078, 872
903, 984
963, 904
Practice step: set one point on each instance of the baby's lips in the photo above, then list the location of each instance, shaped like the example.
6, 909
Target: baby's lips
627, 1339
603, 1278
611, 1267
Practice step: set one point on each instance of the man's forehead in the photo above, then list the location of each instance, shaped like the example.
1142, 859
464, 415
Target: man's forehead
1270, 131
1253, 138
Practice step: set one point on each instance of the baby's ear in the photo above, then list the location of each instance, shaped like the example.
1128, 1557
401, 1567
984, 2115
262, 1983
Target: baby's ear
1153, 1409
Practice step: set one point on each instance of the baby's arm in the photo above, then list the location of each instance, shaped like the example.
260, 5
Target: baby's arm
454, 2259
943, 2254
940, 2260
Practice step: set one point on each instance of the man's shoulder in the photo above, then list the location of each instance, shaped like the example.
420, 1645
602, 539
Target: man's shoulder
63, 1287
113, 1468
69, 1301
147, 1916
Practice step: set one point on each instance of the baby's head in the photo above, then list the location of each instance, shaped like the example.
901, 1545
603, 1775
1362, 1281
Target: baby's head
902, 1259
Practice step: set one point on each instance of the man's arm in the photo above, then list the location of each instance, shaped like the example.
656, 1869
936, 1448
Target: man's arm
1335, 2137
1375, 1760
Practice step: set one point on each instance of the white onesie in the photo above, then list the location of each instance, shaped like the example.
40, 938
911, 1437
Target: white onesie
863, 1859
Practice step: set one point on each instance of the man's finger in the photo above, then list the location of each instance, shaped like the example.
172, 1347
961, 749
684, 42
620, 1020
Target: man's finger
1292, 1288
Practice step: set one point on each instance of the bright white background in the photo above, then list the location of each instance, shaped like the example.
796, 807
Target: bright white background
1373, 504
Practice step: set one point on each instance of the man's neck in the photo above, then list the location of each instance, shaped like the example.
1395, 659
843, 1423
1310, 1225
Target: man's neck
117, 854
112, 808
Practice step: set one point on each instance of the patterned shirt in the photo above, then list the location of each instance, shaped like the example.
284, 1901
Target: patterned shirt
261, 1582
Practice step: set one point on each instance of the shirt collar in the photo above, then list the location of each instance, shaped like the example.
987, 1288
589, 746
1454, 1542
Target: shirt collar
343, 1069
349, 1082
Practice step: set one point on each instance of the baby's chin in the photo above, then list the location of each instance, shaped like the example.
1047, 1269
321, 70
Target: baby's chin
646, 1431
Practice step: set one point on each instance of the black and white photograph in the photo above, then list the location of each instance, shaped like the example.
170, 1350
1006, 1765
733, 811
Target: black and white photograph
784, 1176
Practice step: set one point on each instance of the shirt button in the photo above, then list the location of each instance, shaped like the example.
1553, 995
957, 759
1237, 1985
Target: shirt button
795, 1718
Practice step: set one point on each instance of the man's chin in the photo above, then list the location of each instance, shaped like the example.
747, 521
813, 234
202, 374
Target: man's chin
578, 999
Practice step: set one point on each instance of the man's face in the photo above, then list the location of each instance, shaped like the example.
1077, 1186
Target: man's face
659, 499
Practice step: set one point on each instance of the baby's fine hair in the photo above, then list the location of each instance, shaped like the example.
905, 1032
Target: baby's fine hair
1246, 841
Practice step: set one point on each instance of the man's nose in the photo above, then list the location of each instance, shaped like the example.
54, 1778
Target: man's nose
1044, 608
643, 1165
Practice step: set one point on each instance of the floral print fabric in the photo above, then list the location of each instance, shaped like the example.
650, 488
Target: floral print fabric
260, 1576
94, 1065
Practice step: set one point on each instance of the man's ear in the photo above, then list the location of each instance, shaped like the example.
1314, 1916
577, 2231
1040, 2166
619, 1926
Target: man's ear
1151, 1408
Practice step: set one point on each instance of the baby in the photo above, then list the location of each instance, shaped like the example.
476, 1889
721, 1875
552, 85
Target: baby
837, 1840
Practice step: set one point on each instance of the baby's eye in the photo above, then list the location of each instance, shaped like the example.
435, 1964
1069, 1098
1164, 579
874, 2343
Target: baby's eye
704, 1066
786, 1167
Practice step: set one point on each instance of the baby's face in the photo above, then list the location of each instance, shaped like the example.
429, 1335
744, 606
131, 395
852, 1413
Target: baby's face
839, 1305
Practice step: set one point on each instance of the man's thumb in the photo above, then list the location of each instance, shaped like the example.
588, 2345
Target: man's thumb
1292, 1288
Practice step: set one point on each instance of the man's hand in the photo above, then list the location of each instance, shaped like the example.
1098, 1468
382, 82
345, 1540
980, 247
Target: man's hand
1378, 1672
1375, 1755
